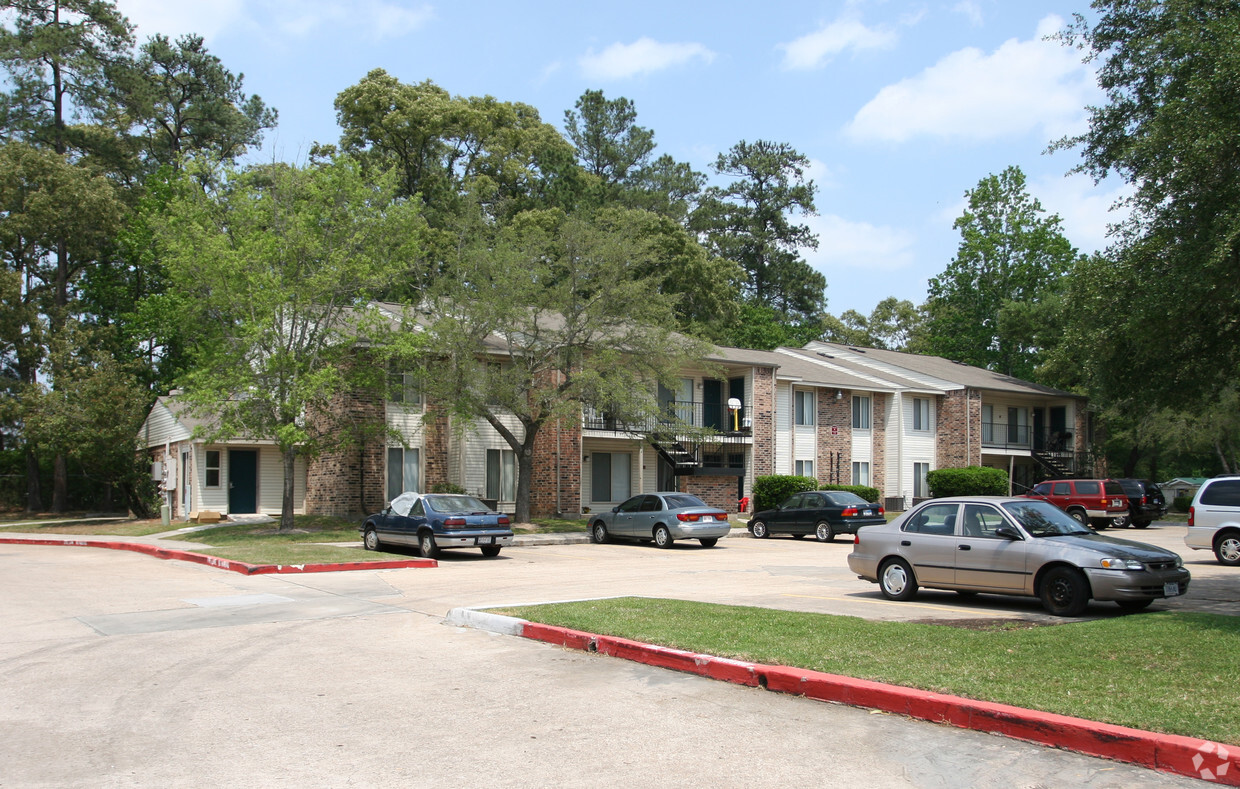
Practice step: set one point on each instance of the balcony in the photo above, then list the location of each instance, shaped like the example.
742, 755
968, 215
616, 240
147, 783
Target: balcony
707, 422
1003, 435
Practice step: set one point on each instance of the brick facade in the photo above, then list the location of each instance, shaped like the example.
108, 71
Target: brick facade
833, 464
349, 480
717, 491
762, 414
557, 462
878, 449
959, 429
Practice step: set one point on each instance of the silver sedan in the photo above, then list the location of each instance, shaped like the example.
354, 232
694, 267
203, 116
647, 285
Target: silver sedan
663, 518
1013, 546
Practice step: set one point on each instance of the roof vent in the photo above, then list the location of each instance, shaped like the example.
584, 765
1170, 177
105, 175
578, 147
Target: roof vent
858, 350
825, 355
175, 392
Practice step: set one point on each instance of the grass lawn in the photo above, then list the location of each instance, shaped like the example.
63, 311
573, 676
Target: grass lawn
551, 526
263, 543
1165, 672
61, 524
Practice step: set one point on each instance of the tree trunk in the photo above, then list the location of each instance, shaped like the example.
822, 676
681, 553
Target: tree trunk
60, 483
286, 509
525, 475
34, 492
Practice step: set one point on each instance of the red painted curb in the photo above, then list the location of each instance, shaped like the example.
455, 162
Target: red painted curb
232, 565
1209, 761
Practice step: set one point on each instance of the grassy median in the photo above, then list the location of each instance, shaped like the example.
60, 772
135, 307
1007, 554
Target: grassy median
1165, 672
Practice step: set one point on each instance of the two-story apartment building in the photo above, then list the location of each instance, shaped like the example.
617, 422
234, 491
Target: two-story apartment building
839, 414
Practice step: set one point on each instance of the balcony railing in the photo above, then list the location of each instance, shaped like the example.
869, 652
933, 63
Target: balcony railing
1003, 435
714, 417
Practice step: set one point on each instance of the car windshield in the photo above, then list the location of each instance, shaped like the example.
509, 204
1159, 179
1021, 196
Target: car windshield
1042, 519
683, 500
456, 504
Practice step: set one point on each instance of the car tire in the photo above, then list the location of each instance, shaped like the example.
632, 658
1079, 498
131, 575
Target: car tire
371, 540
1132, 606
427, 546
598, 533
1079, 516
758, 529
823, 532
1141, 524
1227, 548
1122, 522
1064, 591
662, 537
490, 551
896, 580
709, 542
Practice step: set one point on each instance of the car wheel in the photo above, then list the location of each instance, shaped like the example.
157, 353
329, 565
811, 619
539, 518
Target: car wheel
426, 544
371, 540
1141, 524
662, 537
1122, 522
896, 580
598, 533
709, 542
1079, 516
490, 551
824, 532
1227, 549
1065, 592
1135, 605
758, 529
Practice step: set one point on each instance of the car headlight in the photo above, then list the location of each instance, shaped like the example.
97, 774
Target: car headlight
1121, 564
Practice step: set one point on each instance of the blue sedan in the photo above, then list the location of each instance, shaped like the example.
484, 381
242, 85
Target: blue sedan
433, 521
663, 518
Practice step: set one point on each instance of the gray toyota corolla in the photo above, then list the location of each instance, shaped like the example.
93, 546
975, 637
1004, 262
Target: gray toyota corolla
1012, 546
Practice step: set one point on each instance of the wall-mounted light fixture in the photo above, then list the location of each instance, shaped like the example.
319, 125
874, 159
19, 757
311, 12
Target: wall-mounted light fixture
839, 394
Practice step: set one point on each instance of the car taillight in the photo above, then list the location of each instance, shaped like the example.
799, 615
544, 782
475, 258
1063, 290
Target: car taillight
857, 538
849, 512
881, 511
691, 517
1190, 516
454, 522
502, 520
1145, 500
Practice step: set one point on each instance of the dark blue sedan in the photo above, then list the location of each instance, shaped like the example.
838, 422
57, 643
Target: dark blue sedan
433, 521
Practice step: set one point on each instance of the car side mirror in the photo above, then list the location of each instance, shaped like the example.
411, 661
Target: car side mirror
1007, 532
616, 508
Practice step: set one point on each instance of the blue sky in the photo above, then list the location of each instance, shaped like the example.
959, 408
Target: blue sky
902, 105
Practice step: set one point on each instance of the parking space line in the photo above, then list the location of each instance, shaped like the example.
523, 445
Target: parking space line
907, 605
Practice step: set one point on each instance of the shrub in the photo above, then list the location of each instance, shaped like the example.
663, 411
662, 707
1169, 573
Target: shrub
770, 491
971, 481
447, 487
1181, 503
864, 491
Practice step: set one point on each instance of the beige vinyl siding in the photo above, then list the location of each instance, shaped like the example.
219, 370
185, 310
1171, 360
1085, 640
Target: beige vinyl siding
783, 428
474, 446
161, 426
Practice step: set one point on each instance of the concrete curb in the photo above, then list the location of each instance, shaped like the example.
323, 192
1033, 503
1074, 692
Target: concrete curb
1208, 761
233, 565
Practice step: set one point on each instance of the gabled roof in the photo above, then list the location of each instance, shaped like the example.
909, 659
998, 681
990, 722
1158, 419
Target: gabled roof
792, 367
914, 370
170, 420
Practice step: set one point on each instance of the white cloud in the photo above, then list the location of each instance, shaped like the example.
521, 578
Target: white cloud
1084, 207
971, 95
816, 49
970, 10
645, 55
820, 174
842, 242
378, 19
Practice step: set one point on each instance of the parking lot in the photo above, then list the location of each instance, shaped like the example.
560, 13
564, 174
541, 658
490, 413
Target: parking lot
123, 670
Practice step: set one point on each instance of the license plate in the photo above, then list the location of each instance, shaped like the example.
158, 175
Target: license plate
867, 512
485, 541
1115, 503
708, 518
1171, 589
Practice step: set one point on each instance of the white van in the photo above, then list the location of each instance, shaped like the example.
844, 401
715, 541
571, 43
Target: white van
1214, 519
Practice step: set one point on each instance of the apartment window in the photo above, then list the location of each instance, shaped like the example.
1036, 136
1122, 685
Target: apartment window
401, 389
920, 489
404, 471
1018, 426
804, 468
610, 476
861, 413
921, 413
988, 424
501, 474
804, 407
213, 468
861, 473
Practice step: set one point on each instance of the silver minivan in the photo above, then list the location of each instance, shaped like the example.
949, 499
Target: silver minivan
1214, 519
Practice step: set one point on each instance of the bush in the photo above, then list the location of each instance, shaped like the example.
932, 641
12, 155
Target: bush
971, 481
770, 491
864, 491
1181, 503
447, 487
